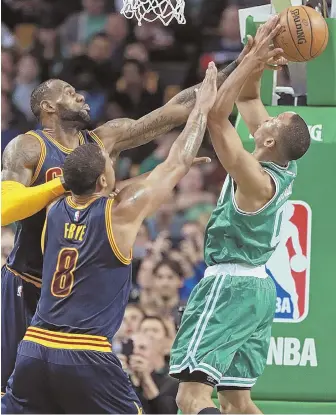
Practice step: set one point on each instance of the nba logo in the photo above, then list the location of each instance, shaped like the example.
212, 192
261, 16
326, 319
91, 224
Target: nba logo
76, 217
289, 266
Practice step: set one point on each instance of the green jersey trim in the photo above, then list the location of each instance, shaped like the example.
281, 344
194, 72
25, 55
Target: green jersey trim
242, 212
283, 168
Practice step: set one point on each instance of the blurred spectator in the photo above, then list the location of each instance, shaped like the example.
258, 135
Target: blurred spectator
26, 81
6, 83
161, 152
147, 366
144, 279
80, 27
226, 47
117, 30
47, 49
192, 199
141, 242
159, 40
131, 322
136, 51
132, 84
7, 61
7, 243
159, 331
167, 281
166, 220
7, 38
92, 73
131, 88
210, 13
13, 122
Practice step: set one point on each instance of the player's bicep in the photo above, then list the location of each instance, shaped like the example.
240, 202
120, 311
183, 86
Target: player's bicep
253, 113
20, 159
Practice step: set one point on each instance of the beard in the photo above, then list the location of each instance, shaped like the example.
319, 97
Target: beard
79, 119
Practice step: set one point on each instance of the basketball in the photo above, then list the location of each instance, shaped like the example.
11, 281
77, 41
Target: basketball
304, 34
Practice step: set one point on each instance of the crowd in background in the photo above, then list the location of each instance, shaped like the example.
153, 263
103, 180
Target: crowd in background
127, 71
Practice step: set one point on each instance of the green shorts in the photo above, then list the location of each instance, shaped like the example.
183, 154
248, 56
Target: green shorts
226, 327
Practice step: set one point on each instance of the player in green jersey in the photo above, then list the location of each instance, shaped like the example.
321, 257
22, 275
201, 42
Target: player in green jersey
225, 331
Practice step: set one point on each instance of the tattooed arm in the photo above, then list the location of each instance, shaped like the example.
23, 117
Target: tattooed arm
136, 202
121, 134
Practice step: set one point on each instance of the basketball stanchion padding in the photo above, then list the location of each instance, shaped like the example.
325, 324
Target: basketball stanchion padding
151, 10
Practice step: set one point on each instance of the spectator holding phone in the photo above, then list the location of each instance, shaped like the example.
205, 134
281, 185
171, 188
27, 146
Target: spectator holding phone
147, 367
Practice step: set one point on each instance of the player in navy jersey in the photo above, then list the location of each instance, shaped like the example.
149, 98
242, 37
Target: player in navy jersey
65, 363
32, 178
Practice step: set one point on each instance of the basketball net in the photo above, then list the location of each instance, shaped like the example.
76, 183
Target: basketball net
151, 10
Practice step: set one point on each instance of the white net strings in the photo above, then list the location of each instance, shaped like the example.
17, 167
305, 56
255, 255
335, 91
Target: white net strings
150, 10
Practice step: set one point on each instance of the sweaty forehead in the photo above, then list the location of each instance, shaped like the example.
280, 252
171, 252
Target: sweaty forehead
58, 86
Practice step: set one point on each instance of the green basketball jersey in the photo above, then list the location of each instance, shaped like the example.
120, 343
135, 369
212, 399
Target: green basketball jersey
234, 236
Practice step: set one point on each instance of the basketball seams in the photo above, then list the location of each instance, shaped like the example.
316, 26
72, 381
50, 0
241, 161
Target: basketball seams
311, 32
324, 41
290, 32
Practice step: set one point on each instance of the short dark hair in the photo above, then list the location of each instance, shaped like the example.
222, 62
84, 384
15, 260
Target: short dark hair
157, 318
41, 92
82, 168
175, 266
295, 138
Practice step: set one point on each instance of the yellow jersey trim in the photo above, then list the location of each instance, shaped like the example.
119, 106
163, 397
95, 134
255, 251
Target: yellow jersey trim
43, 234
108, 222
27, 277
70, 341
74, 205
59, 145
42, 156
97, 139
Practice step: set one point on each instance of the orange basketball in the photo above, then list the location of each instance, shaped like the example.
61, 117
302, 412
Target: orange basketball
304, 34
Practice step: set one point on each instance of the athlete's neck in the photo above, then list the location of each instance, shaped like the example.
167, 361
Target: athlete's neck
260, 155
65, 134
84, 199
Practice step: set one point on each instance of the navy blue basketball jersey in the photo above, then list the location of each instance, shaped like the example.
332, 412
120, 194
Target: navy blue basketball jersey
86, 280
26, 257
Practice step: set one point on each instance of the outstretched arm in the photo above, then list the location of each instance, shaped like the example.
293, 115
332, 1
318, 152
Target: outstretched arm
121, 134
137, 179
249, 103
138, 201
241, 165
20, 160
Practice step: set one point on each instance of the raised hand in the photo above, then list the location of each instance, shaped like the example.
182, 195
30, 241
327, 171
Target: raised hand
261, 49
207, 92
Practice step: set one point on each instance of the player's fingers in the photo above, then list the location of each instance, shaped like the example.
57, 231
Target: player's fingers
267, 28
201, 160
274, 52
271, 24
249, 43
275, 31
211, 73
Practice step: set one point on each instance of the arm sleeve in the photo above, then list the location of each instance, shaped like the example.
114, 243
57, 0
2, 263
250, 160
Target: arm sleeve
19, 202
